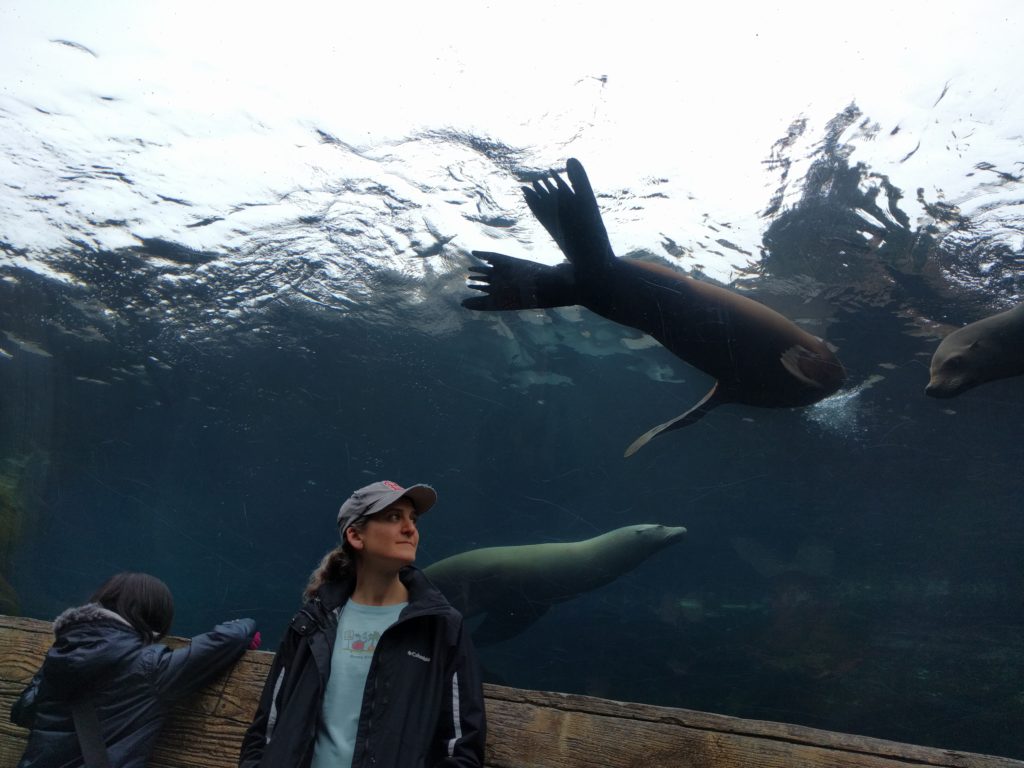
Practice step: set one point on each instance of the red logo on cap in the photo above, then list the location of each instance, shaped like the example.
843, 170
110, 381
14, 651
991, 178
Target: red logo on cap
393, 486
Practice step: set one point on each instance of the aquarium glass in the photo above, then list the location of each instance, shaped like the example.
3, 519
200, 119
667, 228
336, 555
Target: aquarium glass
234, 245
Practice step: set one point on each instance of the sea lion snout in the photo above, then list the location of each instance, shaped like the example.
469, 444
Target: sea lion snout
950, 372
672, 532
941, 389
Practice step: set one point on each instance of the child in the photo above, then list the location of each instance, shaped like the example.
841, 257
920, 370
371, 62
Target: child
107, 685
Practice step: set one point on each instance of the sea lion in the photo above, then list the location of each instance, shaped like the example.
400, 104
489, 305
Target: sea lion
757, 356
514, 586
989, 349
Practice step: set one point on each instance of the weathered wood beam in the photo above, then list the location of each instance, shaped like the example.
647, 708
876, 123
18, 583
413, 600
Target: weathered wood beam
527, 729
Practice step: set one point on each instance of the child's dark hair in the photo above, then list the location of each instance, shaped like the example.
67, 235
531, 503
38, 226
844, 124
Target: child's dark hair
142, 600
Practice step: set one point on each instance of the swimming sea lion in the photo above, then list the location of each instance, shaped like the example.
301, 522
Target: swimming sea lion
756, 355
515, 586
989, 349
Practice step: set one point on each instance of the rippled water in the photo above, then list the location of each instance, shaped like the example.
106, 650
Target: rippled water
231, 267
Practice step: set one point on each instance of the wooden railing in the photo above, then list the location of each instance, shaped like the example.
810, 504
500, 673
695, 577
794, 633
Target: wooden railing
525, 728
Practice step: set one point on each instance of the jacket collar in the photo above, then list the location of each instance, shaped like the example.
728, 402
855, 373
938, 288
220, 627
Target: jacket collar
424, 597
86, 613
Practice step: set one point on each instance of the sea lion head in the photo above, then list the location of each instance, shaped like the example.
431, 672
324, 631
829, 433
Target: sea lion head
652, 534
958, 364
615, 552
982, 351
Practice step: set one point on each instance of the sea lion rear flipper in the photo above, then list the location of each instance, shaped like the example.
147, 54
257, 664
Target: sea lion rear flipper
542, 199
512, 283
571, 216
509, 621
697, 412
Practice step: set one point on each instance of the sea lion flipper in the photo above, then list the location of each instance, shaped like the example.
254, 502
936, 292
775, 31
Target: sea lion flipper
581, 183
542, 200
793, 360
586, 240
571, 216
507, 622
511, 283
697, 412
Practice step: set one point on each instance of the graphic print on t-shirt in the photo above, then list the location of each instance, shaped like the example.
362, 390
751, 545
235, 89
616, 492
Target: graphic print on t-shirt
359, 644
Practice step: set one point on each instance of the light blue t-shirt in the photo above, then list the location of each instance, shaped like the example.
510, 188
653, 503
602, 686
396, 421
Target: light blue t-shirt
359, 629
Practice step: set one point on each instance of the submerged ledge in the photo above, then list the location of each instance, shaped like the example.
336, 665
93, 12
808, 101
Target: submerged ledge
532, 729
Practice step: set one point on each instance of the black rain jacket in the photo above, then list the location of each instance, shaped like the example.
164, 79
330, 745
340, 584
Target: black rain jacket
423, 703
132, 684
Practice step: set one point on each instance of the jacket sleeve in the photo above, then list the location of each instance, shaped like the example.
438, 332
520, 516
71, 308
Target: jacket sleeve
255, 738
23, 711
183, 671
462, 727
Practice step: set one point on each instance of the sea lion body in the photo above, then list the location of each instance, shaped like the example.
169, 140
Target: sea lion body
989, 349
738, 341
515, 585
756, 355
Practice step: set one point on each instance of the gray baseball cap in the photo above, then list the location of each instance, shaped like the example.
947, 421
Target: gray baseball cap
374, 497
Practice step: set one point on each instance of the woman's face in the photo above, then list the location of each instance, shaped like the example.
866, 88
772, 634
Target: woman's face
389, 535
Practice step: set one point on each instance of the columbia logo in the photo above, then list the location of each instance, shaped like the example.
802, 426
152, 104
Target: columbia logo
419, 656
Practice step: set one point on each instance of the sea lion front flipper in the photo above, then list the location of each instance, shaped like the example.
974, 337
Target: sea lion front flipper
697, 412
794, 358
508, 622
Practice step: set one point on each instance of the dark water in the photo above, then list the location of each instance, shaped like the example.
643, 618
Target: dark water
852, 566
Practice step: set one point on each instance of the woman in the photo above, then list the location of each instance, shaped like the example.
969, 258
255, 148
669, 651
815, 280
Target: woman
107, 685
377, 668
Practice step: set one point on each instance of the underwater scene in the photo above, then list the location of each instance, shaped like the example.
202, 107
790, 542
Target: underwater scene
705, 325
